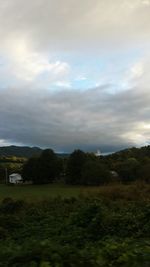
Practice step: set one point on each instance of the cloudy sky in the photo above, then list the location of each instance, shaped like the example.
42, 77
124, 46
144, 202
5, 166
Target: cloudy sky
75, 74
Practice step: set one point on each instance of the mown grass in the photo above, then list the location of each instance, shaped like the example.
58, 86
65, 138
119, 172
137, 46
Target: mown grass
38, 192
136, 191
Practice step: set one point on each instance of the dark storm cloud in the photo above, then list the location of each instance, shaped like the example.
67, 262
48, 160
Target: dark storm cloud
73, 119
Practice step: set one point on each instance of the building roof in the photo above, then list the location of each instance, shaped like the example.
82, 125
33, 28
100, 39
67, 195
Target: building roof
14, 174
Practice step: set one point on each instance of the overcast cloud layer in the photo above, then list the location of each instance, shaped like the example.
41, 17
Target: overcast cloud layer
75, 74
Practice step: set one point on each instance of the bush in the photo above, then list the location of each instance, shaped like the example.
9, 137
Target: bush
85, 231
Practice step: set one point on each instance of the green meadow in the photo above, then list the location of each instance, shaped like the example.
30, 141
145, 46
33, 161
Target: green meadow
136, 191
38, 192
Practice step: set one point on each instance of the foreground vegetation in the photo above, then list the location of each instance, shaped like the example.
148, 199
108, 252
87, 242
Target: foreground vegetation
75, 232
75, 226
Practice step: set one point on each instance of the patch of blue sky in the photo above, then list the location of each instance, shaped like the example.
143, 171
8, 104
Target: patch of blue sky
3, 61
83, 84
86, 70
91, 70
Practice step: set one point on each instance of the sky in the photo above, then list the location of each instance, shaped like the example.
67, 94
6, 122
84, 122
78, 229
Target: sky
75, 74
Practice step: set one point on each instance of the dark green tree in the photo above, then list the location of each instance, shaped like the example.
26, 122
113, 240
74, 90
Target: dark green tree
75, 165
95, 173
30, 170
128, 170
44, 169
47, 167
144, 172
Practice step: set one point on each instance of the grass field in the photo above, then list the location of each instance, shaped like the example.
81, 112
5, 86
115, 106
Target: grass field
38, 192
43, 192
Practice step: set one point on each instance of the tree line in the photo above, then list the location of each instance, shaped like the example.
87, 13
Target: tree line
82, 168
78, 168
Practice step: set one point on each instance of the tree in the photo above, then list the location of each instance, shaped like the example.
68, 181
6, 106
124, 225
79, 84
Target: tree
75, 165
95, 173
128, 170
47, 167
30, 170
144, 172
43, 169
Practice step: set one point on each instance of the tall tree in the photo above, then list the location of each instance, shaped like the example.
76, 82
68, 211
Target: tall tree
128, 170
43, 169
95, 173
30, 170
47, 166
74, 167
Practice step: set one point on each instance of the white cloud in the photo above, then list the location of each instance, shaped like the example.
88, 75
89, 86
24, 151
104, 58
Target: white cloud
71, 25
136, 139
63, 84
137, 70
140, 73
4, 142
27, 65
139, 135
146, 2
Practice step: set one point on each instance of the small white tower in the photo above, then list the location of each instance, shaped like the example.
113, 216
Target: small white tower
98, 153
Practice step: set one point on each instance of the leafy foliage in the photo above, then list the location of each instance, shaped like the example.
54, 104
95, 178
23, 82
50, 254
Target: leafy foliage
12, 164
75, 165
95, 173
75, 232
43, 169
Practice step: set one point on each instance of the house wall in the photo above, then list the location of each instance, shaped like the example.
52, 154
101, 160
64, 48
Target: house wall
15, 179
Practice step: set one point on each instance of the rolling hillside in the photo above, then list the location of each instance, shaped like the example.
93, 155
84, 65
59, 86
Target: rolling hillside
23, 151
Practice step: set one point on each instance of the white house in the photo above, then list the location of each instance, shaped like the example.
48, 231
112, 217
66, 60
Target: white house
15, 178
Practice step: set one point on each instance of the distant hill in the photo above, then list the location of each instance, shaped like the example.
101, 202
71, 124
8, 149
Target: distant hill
20, 151
23, 151
133, 152
27, 152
